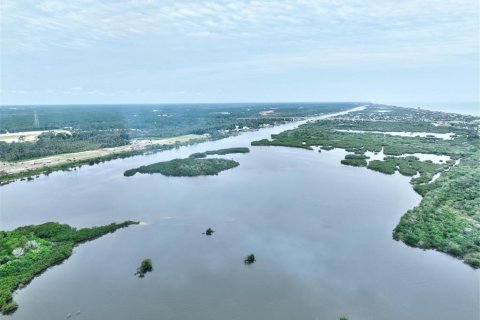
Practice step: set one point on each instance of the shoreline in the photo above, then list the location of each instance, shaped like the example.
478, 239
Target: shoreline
26, 170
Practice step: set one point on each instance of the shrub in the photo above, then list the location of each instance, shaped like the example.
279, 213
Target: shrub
249, 259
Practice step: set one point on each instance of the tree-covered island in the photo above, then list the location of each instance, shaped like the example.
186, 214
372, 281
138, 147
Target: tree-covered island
219, 152
145, 266
188, 167
249, 259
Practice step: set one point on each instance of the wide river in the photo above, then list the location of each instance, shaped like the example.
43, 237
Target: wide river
321, 232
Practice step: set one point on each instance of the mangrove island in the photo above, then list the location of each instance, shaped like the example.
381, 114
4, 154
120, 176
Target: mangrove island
188, 167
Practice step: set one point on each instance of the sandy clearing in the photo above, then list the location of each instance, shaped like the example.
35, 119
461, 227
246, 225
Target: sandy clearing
26, 136
20, 166
16, 167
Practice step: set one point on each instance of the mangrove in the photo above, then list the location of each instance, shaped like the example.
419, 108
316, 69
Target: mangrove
188, 167
28, 251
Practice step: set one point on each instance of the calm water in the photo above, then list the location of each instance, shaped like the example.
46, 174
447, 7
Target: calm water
321, 233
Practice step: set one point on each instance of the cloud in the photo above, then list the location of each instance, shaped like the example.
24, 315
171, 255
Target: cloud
79, 24
108, 46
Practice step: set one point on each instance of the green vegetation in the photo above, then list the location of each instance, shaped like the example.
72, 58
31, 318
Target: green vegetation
356, 160
186, 167
219, 152
49, 143
209, 232
408, 166
447, 219
249, 259
282, 143
145, 266
323, 133
96, 126
166, 120
28, 251
29, 174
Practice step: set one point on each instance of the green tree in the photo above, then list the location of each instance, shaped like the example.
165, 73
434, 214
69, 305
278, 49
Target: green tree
249, 259
145, 266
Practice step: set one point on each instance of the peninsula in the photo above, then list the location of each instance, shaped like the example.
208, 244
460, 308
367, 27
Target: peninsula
448, 217
28, 251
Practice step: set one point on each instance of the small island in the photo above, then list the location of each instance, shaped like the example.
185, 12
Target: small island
28, 251
188, 167
249, 259
209, 232
219, 152
145, 266
355, 160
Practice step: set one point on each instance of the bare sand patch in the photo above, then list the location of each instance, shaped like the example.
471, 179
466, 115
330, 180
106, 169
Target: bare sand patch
26, 136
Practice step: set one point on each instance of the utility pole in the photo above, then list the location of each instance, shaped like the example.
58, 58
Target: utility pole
36, 123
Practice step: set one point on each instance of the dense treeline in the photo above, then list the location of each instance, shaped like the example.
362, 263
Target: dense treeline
189, 167
28, 251
157, 120
6, 178
50, 143
355, 160
95, 127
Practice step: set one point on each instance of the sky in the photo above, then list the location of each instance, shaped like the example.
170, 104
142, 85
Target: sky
145, 51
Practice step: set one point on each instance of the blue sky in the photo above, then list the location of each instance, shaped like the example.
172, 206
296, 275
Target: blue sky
145, 51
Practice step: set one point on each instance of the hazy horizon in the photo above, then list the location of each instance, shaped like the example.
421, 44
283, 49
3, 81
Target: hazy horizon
461, 107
